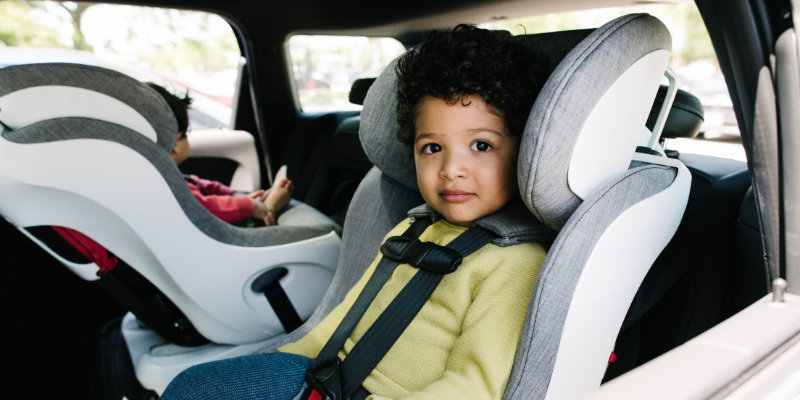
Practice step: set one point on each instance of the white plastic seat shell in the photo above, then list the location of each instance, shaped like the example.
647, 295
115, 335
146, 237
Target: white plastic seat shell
76, 184
106, 177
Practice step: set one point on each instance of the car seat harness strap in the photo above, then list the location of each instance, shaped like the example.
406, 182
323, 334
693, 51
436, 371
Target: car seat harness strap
328, 378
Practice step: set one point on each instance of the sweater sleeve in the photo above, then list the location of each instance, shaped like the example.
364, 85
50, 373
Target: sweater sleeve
212, 187
227, 208
481, 360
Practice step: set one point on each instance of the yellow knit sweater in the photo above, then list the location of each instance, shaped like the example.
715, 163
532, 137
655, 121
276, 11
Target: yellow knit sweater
463, 341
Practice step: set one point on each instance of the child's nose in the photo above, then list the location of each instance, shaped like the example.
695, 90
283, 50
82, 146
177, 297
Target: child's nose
454, 167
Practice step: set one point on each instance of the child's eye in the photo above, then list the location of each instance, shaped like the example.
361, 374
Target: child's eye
480, 146
431, 148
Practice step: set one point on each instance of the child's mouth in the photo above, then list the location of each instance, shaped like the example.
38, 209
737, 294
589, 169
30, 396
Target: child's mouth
456, 196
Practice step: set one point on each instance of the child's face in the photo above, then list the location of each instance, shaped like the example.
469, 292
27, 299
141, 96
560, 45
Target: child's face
180, 152
466, 159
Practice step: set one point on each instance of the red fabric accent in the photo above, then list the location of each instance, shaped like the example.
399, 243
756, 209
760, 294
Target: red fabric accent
89, 248
612, 358
225, 207
211, 187
314, 395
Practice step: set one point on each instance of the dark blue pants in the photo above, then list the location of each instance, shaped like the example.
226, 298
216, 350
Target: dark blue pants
276, 376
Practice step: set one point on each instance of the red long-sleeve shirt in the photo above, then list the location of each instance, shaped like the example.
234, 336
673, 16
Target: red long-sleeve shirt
219, 199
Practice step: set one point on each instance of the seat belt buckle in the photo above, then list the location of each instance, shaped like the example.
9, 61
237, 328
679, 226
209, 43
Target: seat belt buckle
325, 384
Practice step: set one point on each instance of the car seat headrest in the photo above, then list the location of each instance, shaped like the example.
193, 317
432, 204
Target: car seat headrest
378, 130
359, 90
685, 117
587, 121
37, 92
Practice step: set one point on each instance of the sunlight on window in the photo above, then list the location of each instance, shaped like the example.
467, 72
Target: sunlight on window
325, 67
182, 50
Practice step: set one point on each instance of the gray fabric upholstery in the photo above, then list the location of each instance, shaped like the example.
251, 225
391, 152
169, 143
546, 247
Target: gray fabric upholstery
300, 222
136, 94
378, 131
558, 276
380, 203
555, 44
513, 224
379, 117
565, 103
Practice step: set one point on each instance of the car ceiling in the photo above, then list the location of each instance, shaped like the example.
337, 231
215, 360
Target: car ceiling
274, 21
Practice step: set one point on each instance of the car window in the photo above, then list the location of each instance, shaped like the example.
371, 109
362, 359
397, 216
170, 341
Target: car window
693, 60
181, 50
325, 67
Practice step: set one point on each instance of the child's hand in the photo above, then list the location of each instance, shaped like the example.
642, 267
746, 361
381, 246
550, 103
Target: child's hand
257, 194
261, 211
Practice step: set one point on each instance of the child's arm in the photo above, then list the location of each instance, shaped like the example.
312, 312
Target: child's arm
227, 208
212, 187
481, 360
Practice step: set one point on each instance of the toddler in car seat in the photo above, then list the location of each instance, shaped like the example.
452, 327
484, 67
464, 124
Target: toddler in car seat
222, 201
463, 99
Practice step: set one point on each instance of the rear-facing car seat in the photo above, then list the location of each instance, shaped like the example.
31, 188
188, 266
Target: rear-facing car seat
579, 174
87, 149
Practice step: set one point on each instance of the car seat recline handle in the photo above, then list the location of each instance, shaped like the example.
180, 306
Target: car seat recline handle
269, 283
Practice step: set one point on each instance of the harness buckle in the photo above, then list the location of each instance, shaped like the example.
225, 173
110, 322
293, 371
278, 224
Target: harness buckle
325, 384
423, 255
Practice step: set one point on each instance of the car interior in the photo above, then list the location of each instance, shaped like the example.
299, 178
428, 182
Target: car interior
683, 234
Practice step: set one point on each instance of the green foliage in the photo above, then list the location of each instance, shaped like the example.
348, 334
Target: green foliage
698, 45
207, 53
18, 28
196, 40
75, 11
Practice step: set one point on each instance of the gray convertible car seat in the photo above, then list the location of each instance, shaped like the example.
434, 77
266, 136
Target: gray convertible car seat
579, 174
87, 149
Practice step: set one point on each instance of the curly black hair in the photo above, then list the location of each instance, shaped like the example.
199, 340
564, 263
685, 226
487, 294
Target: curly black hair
179, 107
453, 64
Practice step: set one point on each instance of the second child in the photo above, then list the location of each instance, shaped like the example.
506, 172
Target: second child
222, 201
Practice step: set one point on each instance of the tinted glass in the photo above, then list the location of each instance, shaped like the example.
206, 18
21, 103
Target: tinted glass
181, 50
325, 67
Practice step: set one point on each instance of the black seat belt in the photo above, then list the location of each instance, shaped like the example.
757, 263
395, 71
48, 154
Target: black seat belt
330, 378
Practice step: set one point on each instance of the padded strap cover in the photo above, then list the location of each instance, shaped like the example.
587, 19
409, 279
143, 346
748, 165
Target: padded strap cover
513, 224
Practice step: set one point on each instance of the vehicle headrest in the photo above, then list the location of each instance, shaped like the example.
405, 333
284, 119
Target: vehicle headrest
587, 121
685, 116
32, 93
359, 90
378, 130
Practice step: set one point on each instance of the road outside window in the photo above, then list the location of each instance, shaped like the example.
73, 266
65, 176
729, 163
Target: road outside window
182, 50
693, 60
325, 67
